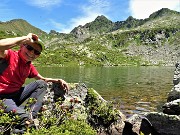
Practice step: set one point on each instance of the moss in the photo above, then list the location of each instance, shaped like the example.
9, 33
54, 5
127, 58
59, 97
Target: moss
101, 113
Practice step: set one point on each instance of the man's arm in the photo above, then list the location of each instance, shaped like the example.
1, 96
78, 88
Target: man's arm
63, 84
9, 43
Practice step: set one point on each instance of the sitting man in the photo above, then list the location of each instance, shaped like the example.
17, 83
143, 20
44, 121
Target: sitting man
15, 67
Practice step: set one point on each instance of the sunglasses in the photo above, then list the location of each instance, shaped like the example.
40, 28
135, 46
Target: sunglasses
30, 48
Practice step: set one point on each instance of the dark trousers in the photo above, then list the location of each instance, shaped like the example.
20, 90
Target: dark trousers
14, 101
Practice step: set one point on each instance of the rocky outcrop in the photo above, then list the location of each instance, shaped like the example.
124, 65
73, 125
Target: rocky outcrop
164, 124
107, 120
99, 113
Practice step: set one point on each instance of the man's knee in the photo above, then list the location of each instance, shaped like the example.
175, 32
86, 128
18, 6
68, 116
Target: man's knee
41, 84
10, 106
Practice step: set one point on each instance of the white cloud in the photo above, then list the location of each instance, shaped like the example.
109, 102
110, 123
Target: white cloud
89, 12
74, 22
57, 25
141, 9
44, 3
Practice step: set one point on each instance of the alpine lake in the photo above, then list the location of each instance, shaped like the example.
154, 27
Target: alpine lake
133, 90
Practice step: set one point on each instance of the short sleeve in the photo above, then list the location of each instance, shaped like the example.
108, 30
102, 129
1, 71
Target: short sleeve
33, 72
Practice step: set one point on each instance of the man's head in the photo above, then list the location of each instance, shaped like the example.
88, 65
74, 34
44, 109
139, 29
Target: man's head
31, 50
38, 42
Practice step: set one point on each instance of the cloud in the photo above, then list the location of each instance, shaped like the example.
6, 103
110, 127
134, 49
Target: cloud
89, 12
82, 20
44, 3
97, 5
141, 9
58, 26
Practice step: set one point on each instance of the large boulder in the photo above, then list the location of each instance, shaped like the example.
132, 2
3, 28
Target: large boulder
88, 105
164, 124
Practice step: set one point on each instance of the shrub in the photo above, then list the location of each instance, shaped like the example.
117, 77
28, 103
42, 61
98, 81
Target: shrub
69, 127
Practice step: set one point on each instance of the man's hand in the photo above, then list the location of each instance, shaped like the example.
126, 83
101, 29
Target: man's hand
32, 37
63, 85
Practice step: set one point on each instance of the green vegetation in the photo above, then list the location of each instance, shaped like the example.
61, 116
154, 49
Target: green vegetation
63, 118
102, 23
69, 127
58, 121
6, 34
19, 27
100, 113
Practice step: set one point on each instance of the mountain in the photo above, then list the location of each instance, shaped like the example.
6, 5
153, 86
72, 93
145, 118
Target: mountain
151, 41
102, 25
19, 27
163, 12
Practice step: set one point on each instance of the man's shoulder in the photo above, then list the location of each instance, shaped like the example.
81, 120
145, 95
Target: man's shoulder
12, 51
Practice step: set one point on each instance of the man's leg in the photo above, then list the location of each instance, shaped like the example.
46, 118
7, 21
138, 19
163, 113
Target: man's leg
37, 90
11, 106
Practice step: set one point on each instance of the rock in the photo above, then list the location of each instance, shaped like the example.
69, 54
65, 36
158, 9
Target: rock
83, 100
176, 78
147, 128
174, 93
136, 125
172, 108
164, 124
132, 125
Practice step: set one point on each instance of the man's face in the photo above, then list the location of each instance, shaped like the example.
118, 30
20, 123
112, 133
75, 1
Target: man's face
30, 51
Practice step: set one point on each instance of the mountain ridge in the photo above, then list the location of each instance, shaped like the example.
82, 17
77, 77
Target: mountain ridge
21, 26
151, 41
130, 22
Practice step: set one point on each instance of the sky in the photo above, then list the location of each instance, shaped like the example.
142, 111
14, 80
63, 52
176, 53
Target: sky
64, 15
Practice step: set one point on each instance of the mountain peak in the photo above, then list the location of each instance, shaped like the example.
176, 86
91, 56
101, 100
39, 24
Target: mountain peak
163, 12
102, 19
99, 25
131, 19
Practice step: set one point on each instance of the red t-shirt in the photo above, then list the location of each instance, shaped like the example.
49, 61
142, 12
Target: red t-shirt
14, 76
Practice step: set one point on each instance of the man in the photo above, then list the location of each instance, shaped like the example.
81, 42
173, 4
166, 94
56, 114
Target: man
15, 67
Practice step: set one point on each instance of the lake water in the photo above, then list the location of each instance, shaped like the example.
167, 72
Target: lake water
133, 90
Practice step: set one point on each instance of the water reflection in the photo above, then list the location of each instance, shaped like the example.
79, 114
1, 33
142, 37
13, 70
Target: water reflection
132, 89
